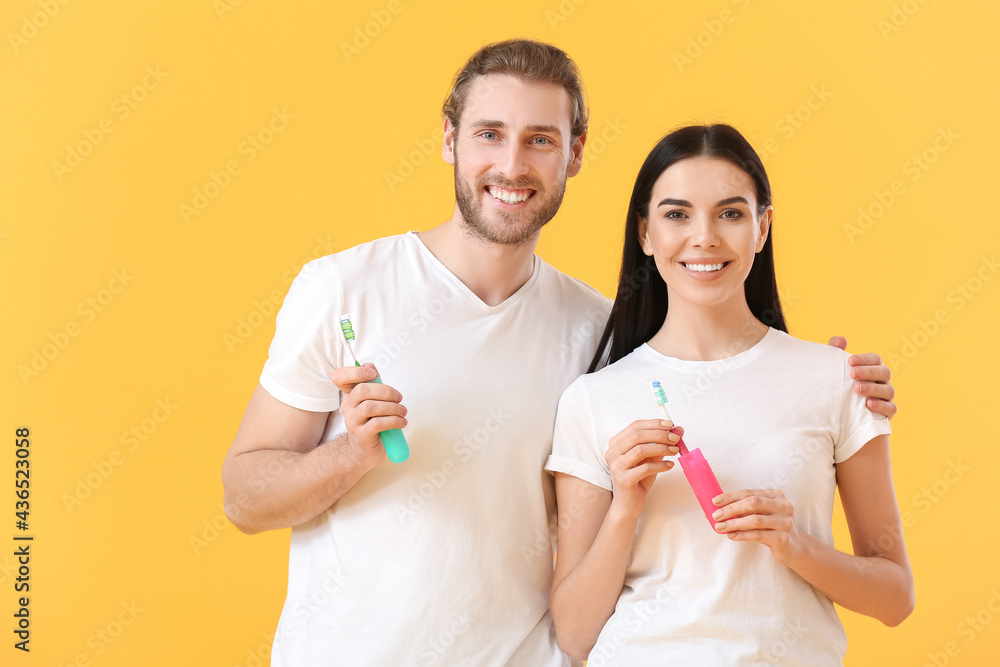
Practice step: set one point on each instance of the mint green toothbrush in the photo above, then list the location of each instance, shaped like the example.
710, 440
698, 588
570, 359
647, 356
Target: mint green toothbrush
393, 440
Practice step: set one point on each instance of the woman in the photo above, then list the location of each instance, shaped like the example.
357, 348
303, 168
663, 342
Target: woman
641, 577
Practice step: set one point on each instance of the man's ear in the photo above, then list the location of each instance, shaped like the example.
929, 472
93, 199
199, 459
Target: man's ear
448, 145
765, 227
576, 160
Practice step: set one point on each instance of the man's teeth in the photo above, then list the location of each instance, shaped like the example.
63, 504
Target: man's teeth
705, 267
508, 196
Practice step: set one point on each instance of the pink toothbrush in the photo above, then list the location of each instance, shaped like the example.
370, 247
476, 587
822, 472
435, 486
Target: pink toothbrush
699, 474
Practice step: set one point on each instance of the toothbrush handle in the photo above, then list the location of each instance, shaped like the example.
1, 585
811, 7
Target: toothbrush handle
393, 439
702, 480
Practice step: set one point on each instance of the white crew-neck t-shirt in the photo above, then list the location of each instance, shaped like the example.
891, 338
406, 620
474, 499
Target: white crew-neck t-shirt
779, 415
445, 559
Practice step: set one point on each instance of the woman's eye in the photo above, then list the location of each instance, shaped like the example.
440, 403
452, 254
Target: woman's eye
675, 215
732, 214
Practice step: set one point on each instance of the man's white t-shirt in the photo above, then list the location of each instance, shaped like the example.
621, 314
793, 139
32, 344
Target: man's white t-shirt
779, 415
445, 559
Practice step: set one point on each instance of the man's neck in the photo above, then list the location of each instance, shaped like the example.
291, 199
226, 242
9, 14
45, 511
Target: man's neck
493, 272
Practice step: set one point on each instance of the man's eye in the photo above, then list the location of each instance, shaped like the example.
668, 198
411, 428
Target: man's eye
489, 135
541, 140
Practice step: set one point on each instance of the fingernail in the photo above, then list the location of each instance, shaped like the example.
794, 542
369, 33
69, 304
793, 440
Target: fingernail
717, 500
673, 437
717, 514
666, 423
720, 526
673, 450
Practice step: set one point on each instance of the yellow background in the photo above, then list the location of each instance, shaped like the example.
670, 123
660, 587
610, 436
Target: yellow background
188, 317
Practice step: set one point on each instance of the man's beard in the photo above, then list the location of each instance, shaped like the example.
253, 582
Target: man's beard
506, 230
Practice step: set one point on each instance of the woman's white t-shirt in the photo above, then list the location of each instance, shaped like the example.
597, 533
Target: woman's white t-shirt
779, 415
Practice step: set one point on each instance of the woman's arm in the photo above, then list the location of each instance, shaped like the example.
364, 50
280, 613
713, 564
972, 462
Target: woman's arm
876, 581
596, 531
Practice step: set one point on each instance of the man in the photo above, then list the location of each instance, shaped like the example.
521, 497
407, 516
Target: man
445, 558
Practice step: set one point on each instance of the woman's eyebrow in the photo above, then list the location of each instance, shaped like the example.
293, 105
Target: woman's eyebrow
675, 202
733, 200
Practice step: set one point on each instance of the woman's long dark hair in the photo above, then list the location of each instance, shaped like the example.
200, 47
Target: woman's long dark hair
641, 303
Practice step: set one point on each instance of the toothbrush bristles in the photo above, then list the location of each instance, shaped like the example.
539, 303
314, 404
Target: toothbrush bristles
658, 393
345, 326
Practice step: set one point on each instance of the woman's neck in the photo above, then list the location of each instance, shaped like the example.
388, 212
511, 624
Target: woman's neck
695, 332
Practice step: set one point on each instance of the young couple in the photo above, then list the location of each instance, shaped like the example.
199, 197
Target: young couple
446, 558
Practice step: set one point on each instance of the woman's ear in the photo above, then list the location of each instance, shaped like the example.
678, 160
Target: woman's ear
643, 234
764, 227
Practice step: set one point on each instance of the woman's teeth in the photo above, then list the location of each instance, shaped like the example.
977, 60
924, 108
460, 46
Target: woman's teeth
705, 268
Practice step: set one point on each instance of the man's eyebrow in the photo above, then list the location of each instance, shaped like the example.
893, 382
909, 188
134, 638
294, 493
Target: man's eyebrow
479, 124
500, 125
550, 129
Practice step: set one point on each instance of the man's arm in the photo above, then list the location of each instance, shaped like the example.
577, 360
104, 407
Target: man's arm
871, 380
277, 474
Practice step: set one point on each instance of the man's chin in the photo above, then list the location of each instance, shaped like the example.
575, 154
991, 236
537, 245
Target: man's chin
501, 232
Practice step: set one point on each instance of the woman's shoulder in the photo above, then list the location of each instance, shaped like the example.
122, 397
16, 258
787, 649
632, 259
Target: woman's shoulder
807, 359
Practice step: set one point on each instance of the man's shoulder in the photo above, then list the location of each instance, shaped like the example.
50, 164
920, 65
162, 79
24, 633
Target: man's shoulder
361, 257
572, 292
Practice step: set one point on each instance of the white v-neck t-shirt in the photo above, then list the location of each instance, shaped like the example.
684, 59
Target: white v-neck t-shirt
779, 415
445, 559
